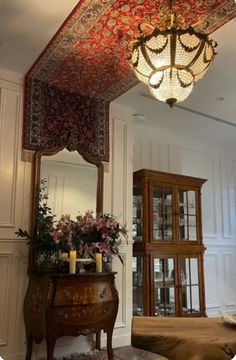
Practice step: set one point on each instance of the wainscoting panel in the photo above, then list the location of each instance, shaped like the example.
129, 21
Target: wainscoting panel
12, 290
229, 279
138, 153
119, 176
21, 273
225, 197
155, 154
233, 198
9, 118
142, 155
5, 296
212, 283
148, 154
121, 284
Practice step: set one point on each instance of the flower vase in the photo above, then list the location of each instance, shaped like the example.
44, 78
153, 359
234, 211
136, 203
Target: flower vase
47, 262
107, 264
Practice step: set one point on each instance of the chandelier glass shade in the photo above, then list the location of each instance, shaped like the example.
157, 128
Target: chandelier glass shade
171, 61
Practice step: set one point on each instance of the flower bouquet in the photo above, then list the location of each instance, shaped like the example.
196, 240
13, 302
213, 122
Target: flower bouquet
87, 234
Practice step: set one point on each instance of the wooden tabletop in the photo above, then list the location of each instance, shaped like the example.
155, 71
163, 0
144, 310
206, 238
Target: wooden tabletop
185, 338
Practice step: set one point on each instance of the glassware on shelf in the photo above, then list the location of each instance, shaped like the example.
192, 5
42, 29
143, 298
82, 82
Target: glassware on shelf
137, 268
157, 204
137, 215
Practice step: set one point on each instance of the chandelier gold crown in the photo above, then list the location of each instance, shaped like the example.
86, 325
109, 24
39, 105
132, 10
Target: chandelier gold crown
172, 58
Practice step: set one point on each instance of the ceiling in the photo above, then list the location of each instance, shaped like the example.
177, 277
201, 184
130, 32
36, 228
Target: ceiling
26, 27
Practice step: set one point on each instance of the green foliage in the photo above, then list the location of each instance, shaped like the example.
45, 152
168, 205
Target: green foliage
41, 239
44, 222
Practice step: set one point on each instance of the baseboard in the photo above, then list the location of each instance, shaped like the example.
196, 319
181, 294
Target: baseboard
216, 312
118, 341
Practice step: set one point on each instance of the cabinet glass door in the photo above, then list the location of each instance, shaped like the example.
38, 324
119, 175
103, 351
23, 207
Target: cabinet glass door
137, 214
137, 271
162, 213
187, 215
164, 286
189, 280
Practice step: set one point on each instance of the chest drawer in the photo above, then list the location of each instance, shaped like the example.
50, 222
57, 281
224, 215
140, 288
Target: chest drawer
81, 316
76, 293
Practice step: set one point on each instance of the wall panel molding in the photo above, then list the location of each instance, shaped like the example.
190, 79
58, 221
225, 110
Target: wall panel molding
142, 154
225, 198
218, 245
228, 278
137, 153
211, 261
9, 124
121, 269
119, 173
234, 193
155, 154
5, 260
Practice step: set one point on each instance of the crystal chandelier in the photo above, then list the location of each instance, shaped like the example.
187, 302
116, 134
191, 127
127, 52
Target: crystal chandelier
172, 59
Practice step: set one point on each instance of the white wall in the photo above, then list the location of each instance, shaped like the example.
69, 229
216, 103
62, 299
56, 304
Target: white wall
164, 151
15, 182
15, 195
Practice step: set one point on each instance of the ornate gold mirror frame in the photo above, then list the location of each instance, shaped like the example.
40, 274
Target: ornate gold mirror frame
36, 188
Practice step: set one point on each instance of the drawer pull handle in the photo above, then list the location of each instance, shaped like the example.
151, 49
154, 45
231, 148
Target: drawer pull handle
103, 293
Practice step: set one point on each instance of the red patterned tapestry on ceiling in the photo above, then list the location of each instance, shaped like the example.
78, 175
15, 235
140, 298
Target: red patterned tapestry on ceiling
85, 66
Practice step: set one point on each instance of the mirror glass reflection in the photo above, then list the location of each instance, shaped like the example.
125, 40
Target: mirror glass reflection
71, 183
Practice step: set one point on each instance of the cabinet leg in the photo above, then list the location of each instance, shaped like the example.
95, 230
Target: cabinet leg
98, 340
110, 353
51, 341
29, 343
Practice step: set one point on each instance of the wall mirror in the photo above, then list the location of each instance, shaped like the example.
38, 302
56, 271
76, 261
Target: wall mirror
74, 184
71, 183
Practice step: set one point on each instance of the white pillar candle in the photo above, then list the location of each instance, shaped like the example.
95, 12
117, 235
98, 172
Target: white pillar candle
98, 262
72, 262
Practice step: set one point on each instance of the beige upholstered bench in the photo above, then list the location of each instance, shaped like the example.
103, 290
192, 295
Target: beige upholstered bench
185, 338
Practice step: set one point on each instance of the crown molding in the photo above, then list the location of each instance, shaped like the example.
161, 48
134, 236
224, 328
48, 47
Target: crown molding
146, 95
12, 76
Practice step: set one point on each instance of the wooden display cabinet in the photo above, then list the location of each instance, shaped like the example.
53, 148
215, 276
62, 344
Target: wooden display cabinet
168, 274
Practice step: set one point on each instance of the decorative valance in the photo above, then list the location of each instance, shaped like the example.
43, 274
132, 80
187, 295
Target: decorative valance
56, 118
